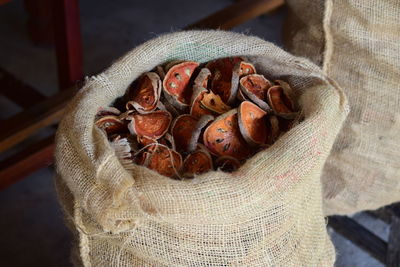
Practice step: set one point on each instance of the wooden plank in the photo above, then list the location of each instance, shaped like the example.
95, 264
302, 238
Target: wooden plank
32, 158
68, 42
360, 236
20, 93
2, 2
393, 253
40, 21
236, 14
24, 124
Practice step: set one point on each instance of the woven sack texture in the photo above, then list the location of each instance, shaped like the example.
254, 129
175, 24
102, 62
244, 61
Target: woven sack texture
357, 43
268, 213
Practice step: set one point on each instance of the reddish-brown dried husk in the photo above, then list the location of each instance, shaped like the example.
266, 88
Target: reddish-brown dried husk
151, 125
182, 129
165, 161
255, 87
197, 109
222, 137
225, 77
202, 78
279, 101
227, 164
176, 83
274, 129
201, 124
196, 163
252, 123
145, 93
214, 103
111, 124
105, 111
145, 140
246, 68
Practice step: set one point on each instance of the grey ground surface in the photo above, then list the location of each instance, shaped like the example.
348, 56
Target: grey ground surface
31, 227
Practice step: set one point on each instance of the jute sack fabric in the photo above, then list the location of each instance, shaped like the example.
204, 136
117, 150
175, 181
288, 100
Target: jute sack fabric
357, 43
268, 213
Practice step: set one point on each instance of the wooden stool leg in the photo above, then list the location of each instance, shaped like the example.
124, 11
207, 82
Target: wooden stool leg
68, 42
393, 253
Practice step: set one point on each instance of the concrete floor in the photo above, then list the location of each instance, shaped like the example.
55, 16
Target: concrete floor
31, 227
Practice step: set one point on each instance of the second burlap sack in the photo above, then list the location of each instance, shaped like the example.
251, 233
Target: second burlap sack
357, 43
268, 213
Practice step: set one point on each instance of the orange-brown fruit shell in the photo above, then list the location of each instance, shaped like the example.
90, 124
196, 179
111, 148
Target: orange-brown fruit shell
201, 124
197, 162
254, 87
176, 83
214, 103
151, 125
197, 109
182, 129
225, 77
281, 103
246, 68
227, 164
111, 125
165, 161
202, 78
252, 123
222, 137
145, 93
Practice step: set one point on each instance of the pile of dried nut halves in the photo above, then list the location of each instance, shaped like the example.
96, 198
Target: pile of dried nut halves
186, 118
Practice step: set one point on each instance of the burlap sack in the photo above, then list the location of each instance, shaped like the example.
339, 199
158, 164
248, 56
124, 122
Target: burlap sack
268, 213
358, 44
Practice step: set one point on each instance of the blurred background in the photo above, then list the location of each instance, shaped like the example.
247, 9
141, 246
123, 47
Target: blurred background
31, 222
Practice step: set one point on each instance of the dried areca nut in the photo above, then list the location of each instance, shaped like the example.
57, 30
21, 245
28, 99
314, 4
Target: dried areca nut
241, 97
111, 125
176, 83
251, 123
160, 71
182, 129
196, 163
151, 125
197, 109
202, 78
225, 77
165, 161
170, 64
145, 140
163, 104
273, 125
125, 115
168, 141
280, 102
105, 111
222, 137
201, 124
246, 68
144, 93
227, 164
142, 158
255, 86
214, 103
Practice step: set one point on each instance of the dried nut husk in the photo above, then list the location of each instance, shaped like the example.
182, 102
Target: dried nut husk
170, 64
246, 68
151, 125
197, 109
168, 140
145, 140
214, 103
241, 97
105, 111
252, 123
163, 104
281, 103
181, 129
255, 86
160, 71
225, 77
202, 78
165, 161
111, 124
227, 164
201, 124
125, 115
196, 163
222, 137
144, 94
273, 125
176, 84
